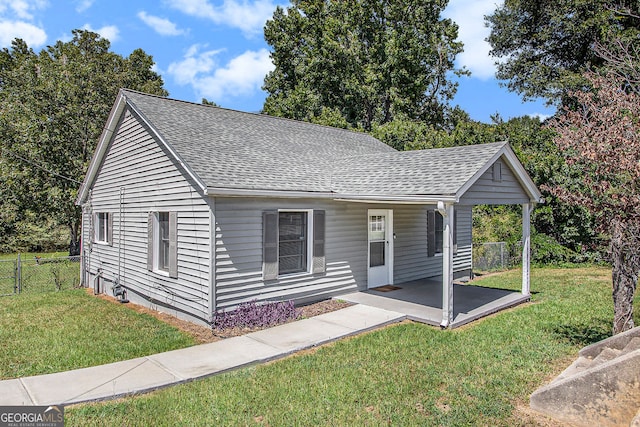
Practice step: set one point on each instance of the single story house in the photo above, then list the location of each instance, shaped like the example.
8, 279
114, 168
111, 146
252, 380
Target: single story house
191, 209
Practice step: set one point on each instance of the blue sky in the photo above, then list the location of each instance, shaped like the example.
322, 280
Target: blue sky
215, 49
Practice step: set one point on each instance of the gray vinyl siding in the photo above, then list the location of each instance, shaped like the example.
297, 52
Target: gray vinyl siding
151, 182
410, 247
239, 276
411, 260
239, 252
486, 191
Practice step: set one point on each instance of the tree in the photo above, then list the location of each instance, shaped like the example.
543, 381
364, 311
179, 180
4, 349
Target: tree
53, 107
370, 61
544, 47
600, 140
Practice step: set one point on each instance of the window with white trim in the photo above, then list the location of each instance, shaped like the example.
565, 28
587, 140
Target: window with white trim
293, 242
162, 245
293, 230
162, 255
102, 227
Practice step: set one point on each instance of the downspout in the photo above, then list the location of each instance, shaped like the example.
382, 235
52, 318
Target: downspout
446, 210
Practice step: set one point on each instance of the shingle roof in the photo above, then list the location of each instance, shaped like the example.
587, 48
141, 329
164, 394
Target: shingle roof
232, 149
231, 152
441, 171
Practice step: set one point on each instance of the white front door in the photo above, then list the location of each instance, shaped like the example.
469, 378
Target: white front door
380, 249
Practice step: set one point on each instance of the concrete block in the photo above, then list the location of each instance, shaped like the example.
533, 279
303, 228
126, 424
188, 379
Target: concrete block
605, 395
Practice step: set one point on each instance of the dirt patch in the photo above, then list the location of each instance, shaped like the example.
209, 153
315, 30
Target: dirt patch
523, 415
204, 334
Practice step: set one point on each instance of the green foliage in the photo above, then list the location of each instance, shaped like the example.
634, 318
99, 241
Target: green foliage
33, 234
600, 141
544, 47
406, 375
497, 224
369, 61
53, 107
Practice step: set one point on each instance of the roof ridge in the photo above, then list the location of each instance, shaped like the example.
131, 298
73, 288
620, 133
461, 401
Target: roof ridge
252, 114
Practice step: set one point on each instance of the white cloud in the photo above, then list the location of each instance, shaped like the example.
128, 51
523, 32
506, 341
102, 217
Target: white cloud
194, 63
109, 32
248, 16
161, 26
242, 76
469, 15
32, 35
15, 22
83, 5
21, 8
540, 116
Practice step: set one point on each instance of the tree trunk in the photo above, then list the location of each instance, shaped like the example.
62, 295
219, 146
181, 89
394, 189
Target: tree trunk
625, 265
74, 244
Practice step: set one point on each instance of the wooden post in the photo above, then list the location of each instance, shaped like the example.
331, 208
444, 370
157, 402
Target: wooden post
526, 248
447, 264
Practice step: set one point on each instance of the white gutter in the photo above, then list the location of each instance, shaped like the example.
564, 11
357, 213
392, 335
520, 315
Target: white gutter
409, 199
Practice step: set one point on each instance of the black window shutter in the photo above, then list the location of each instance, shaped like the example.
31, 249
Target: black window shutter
319, 259
150, 222
270, 245
173, 244
431, 233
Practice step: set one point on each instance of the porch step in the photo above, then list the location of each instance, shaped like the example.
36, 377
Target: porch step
576, 367
601, 387
633, 345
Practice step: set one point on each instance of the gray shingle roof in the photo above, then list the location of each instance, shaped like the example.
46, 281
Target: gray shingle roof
232, 149
441, 171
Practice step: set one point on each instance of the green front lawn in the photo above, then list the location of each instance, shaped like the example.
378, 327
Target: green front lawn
50, 332
408, 374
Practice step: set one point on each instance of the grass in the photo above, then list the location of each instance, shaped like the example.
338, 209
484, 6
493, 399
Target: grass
55, 331
53, 271
409, 374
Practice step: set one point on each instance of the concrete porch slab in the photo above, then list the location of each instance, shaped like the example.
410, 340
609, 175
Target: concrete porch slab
421, 301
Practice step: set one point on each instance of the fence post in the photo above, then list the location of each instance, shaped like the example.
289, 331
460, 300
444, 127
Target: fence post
19, 274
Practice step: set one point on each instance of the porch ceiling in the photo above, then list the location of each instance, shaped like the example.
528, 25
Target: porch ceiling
421, 301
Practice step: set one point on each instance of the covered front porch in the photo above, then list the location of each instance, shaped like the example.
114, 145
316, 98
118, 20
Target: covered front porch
421, 301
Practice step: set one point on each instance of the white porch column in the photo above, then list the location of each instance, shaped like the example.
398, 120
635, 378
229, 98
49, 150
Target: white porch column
447, 263
526, 248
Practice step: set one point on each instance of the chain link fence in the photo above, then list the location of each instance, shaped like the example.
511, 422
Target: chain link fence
39, 274
495, 256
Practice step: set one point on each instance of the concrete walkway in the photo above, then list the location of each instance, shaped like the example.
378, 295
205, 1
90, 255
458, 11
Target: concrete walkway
174, 367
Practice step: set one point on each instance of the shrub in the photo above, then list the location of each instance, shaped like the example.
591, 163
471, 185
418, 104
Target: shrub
253, 315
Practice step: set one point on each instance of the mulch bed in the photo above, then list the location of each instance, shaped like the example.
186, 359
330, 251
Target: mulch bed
204, 334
